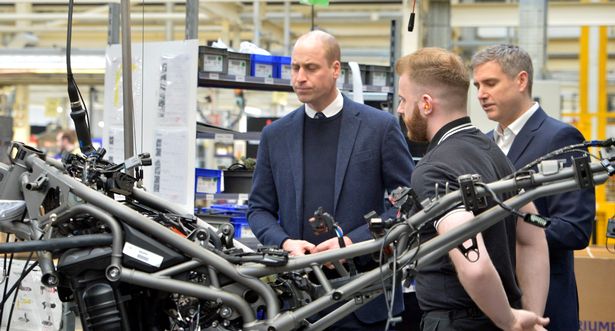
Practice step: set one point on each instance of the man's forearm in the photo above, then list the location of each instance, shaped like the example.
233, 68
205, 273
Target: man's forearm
486, 290
533, 276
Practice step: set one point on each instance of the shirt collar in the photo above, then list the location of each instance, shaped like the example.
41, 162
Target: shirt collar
450, 128
516, 126
331, 110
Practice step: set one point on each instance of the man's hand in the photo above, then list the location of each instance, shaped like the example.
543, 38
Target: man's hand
297, 247
329, 244
526, 320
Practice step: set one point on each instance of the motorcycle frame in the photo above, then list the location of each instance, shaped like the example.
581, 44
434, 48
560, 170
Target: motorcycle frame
353, 292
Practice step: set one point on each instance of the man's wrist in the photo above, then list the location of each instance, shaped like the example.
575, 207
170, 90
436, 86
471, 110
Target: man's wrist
283, 241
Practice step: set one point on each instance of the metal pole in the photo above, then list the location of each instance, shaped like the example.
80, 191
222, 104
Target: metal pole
192, 19
113, 31
256, 39
168, 26
127, 83
287, 28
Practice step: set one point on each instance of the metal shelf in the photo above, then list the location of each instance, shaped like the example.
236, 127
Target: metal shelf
208, 79
204, 131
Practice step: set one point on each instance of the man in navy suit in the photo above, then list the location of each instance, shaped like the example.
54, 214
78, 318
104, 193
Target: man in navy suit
503, 77
331, 153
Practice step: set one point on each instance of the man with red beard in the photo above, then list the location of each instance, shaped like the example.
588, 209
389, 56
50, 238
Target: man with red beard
455, 293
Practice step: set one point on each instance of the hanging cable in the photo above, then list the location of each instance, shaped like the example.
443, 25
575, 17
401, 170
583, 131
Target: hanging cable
7, 274
79, 112
23, 275
142, 69
412, 16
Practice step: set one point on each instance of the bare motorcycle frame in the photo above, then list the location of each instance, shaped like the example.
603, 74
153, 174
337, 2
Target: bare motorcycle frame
186, 275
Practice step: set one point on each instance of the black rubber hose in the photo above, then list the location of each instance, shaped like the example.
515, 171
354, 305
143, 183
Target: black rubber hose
57, 243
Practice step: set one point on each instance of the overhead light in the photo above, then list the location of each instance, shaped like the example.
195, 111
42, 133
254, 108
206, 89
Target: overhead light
253, 111
52, 61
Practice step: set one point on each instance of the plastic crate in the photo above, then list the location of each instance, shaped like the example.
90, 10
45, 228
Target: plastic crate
238, 181
348, 73
378, 76
263, 66
213, 59
207, 181
238, 64
242, 228
231, 208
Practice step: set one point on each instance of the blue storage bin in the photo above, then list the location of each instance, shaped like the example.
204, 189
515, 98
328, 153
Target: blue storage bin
242, 228
207, 181
230, 210
264, 66
284, 67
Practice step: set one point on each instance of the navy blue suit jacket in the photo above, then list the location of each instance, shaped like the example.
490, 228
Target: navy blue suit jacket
372, 156
572, 215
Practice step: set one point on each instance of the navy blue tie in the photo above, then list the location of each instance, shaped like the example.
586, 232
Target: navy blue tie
319, 116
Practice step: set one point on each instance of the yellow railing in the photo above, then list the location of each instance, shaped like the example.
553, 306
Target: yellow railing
584, 121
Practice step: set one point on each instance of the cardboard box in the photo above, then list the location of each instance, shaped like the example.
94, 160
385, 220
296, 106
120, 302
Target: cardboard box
595, 273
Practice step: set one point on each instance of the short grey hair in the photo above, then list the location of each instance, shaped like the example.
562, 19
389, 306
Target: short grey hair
511, 58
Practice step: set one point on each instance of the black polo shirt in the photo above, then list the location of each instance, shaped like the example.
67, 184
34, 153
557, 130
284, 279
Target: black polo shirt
458, 149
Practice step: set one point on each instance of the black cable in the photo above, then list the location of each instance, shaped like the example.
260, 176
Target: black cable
8, 325
568, 149
69, 34
499, 202
18, 282
6, 278
380, 258
142, 69
415, 237
393, 281
563, 150
79, 111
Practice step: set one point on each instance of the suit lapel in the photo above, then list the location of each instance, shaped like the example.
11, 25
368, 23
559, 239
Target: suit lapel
525, 136
294, 141
348, 133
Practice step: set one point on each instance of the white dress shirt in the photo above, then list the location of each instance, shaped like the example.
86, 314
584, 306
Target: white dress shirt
505, 138
331, 110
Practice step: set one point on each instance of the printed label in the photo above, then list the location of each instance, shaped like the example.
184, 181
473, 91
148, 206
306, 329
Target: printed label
206, 185
237, 67
224, 138
213, 63
379, 78
142, 255
285, 73
263, 70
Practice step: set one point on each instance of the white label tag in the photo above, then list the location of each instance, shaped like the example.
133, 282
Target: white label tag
206, 185
246, 232
379, 79
268, 80
213, 63
285, 71
224, 138
132, 162
214, 76
142, 255
263, 70
237, 67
